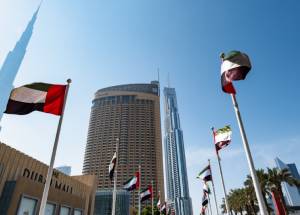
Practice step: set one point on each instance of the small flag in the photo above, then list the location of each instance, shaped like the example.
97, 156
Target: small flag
47, 98
204, 200
158, 203
146, 194
206, 189
222, 137
163, 208
235, 66
132, 183
112, 166
205, 174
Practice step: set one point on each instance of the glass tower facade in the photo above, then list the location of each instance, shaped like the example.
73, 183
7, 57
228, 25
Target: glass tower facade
291, 193
177, 181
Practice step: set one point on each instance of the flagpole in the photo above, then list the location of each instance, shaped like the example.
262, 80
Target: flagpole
113, 211
222, 178
209, 204
152, 198
139, 193
50, 169
256, 183
213, 186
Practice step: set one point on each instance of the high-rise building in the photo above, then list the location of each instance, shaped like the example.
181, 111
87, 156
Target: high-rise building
130, 113
103, 202
176, 173
291, 193
64, 169
12, 64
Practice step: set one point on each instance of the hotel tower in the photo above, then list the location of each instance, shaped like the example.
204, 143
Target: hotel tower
130, 113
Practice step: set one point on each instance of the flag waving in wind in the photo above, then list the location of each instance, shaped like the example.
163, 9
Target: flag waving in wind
47, 98
133, 183
206, 189
222, 137
146, 194
235, 66
205, 174
112, 166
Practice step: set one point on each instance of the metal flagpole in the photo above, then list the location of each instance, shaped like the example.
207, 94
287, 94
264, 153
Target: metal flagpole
152, 198
213, 186
139, 193
256, 183
113, 211
222, 178
50, 169
209, 204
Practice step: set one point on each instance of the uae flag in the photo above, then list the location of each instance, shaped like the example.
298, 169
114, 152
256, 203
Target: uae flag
146, 194
205, 174
112, 166
204, 200
48, 98
222, 137
235, 66
132, 183
206, 189
163, 208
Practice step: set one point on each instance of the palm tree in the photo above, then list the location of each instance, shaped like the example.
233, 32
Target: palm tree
276, 177
263, 181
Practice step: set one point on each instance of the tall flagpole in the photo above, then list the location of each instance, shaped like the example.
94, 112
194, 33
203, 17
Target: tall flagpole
209, 204
139, 193
113, 211
50, 169
256, 183
213, 186
152, 198
222, 178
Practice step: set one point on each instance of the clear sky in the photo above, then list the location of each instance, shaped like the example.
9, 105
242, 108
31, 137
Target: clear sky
104, 43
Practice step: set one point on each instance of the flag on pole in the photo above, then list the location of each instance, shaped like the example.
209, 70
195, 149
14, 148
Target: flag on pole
204, 200
158, 203
163, 208
235, 66
133, 182
222, 137
47, 98
206, 189
205, 174
146, 194
112, 165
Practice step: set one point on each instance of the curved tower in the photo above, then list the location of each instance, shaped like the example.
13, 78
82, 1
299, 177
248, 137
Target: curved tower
177, 180
132, 114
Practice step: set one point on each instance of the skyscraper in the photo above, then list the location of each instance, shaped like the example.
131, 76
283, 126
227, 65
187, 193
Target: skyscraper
13, 62
291, 193
132, 114
176, 173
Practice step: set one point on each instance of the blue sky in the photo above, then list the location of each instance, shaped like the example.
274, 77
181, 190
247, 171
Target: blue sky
103, 43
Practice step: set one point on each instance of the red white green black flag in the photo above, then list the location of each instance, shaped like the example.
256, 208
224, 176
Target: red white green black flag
222, 137
146, 194
235, 66
133, 182
205, 174
48, 98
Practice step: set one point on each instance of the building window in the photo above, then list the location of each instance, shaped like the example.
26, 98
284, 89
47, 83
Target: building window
77, 212
64, 210
50, 209
27, 206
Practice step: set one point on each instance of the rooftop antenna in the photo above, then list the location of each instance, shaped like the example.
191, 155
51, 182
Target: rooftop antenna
169, 80
158, 74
